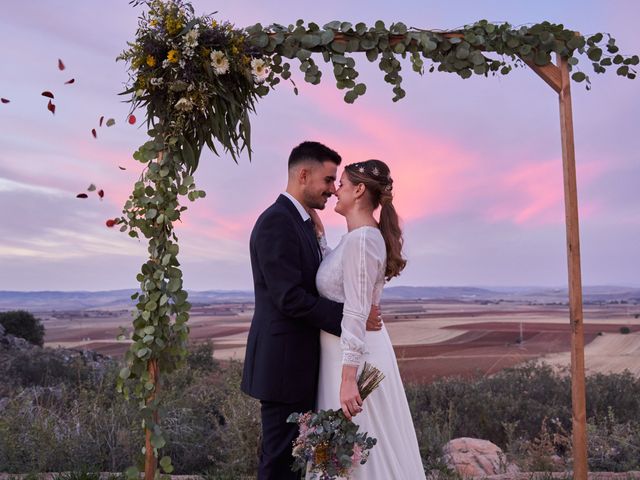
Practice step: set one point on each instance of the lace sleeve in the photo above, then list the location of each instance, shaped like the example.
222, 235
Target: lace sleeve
361, 265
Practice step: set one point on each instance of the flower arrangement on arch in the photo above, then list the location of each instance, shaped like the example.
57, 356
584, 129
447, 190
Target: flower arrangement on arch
197, 77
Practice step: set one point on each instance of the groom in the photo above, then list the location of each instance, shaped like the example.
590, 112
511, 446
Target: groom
283, 347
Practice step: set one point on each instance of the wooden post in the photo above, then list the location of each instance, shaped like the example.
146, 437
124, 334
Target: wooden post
578, 396
150, 461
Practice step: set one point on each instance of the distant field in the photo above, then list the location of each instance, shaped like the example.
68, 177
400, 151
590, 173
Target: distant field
431, 339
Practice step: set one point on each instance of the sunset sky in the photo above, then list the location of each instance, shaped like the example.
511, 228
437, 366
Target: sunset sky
476, 163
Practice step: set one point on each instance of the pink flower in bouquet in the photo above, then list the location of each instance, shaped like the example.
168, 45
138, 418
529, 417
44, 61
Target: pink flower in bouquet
304, 424
357, 454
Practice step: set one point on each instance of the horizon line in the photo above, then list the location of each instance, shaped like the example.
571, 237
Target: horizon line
244, 290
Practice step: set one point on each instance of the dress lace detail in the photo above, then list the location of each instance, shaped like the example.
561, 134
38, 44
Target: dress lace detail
353, 274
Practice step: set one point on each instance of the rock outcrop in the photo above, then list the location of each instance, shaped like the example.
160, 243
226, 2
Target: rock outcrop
472, 457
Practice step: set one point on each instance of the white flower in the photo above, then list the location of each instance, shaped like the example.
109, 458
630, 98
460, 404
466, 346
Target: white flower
184, 104
191, 38
219, 62
157, 82
187, 52
259, 70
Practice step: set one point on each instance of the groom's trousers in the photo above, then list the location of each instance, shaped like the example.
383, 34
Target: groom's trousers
277, 438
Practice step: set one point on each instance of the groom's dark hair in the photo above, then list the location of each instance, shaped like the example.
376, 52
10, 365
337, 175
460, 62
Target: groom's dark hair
314, 151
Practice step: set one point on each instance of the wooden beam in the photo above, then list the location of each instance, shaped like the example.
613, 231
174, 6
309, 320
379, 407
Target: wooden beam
578, 396
549, 73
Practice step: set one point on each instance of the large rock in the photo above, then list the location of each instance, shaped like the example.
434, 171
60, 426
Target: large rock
10, 342
472, 457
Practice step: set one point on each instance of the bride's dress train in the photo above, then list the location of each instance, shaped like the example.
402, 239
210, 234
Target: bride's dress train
353, 273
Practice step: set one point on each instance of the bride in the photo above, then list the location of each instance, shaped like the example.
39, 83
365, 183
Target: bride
354, 273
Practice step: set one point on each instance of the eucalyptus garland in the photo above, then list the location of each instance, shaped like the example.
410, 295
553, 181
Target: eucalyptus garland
461, 51
199, 78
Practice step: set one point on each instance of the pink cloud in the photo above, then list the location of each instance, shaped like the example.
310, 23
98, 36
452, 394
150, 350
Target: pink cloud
438, 176
531, 193
430, 173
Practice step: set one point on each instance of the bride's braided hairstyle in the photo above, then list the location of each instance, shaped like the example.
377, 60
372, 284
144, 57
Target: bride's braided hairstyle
375, 176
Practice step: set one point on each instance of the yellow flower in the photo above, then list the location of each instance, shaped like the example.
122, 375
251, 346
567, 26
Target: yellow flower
153, 23
151, 61
173, 25
246, 60
234, 51
214, 24
173, 56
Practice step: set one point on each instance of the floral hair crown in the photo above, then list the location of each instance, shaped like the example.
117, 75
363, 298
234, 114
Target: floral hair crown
374, 172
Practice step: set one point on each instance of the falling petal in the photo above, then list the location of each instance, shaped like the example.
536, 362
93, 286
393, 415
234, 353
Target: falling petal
132, 119
121, 168
91, 188
60, 65
94, 133
51, 107
4, 100
82, 195
111, 122
69, 82
47, 94
101, 119
101, 193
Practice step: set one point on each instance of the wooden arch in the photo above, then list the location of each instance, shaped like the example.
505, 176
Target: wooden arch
558, 78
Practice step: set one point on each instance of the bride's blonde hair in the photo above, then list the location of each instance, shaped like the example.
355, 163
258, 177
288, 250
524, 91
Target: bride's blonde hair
376, 177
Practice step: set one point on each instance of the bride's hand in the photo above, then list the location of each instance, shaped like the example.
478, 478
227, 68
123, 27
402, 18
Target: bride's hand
350, 399
317, 222
374, 322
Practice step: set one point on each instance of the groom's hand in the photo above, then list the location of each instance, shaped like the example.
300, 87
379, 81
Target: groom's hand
374, 322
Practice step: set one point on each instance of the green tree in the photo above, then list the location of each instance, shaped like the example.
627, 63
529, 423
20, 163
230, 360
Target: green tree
23, 324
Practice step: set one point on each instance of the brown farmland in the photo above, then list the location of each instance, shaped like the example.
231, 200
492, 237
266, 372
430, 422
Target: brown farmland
431, 339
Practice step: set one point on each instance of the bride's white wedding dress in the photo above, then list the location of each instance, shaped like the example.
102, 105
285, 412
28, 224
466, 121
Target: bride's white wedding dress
353, 273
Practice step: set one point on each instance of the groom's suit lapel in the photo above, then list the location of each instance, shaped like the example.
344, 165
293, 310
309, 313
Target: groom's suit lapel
304, 230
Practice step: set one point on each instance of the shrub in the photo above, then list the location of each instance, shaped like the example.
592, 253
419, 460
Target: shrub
200, 357
77, 422
72, 419
23, 324
525, 410
613, 446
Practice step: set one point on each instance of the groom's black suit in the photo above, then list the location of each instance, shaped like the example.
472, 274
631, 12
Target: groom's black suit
283, 348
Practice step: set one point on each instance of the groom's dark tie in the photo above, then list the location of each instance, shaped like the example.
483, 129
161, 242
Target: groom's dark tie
311, 231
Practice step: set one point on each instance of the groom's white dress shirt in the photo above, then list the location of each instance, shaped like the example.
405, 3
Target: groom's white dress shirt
303, 213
